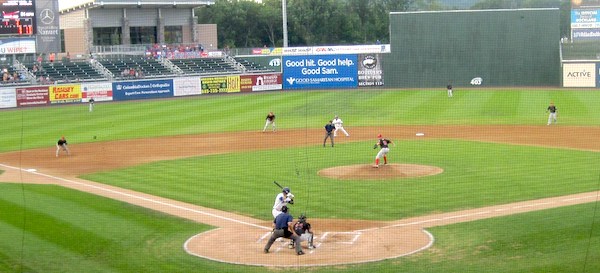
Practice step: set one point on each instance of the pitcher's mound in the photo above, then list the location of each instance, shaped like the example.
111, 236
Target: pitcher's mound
389, 171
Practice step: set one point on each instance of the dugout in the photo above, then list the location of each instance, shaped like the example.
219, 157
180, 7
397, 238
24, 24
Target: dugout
517, 47
96, 26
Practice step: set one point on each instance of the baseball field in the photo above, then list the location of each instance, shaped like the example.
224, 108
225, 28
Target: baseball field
186, 184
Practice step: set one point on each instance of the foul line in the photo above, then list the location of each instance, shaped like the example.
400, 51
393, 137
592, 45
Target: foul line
136, 197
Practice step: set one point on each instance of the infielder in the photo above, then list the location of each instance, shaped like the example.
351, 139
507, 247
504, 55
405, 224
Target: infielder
270, 120
282, 199
553, 113
449, 89
384, 144
62, 145
338, 123
91, 101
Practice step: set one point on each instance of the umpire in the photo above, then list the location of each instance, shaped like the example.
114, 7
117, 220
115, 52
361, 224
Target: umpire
283, 228
329, 127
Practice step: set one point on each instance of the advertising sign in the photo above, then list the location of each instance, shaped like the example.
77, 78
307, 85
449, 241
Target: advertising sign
260, 82
589, 18
32, 96
65, 93
228, 84
186, 86
101, 91
135, 90
327, 71
48, 27
370, 70
579, 75
8, 98
17, 45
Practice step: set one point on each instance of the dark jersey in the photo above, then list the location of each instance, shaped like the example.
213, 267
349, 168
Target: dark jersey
62, 142
552, 109
282, 220
92, 101
300, 228
329, 128
270, 117
449, 87
383, 143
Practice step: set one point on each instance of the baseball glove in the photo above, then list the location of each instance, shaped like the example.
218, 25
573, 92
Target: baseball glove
375, 146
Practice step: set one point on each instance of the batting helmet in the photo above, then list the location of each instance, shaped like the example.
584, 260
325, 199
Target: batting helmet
286, 190
379, 136
284, 209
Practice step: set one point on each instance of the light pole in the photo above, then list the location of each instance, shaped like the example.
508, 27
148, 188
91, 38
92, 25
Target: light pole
284, 17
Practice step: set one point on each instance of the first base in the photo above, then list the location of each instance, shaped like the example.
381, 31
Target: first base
420, 134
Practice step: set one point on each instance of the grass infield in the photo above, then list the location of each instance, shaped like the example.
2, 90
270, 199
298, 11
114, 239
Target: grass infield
59, 230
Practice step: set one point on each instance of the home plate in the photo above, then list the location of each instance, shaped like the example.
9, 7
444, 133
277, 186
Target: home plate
420, 134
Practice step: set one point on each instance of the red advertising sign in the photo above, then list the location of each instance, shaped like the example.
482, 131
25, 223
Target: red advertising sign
32, 96
261, 82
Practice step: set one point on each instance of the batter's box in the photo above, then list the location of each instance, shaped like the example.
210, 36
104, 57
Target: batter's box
340, 237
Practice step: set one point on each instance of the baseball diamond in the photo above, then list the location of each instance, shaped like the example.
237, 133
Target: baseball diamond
338, 241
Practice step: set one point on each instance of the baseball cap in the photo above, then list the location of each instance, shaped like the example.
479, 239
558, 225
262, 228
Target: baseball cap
379, 136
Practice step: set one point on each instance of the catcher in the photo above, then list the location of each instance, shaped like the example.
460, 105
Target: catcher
303, 230
62, 145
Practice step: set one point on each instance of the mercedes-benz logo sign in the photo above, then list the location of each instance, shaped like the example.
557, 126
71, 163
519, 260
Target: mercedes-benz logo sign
47, 16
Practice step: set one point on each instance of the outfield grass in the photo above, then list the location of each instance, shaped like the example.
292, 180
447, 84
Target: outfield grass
92, 234
51, 229
40, 127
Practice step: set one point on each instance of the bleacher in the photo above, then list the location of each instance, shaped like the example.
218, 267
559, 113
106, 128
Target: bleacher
204, 66
151, 68
252, 67
67, 71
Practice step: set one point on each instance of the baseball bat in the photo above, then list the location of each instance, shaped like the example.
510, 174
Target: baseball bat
275, 182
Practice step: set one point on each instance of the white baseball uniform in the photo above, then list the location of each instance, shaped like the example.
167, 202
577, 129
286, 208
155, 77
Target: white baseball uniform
280, 201
338, 124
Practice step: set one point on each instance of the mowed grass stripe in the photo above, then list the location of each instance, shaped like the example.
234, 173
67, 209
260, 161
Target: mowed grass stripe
475, 175
69, 231
40, 127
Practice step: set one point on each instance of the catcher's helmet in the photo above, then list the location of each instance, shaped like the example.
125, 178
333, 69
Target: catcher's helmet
286, 190
302, 218
284, 209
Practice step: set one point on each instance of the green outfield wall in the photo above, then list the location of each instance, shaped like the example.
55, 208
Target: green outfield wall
503, 47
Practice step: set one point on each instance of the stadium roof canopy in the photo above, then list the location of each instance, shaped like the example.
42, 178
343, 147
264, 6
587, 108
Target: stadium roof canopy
139, 4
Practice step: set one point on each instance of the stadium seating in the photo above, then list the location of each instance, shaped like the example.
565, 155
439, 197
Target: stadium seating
205, 66
252, 67
151, 68
67, 71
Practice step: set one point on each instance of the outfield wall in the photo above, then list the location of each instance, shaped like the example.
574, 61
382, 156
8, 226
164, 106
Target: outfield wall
504, 47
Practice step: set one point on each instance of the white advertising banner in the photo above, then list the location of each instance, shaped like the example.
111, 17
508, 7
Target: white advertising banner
186, 86
8, 98
579, 75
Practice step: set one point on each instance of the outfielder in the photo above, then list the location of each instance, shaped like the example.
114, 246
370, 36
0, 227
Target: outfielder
338, 123
449, 89
384, 144
553, 113
62, 145
282, 199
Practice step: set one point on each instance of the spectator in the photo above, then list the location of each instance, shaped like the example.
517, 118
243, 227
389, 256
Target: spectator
40, 59
51, 57
125, 73
132, 73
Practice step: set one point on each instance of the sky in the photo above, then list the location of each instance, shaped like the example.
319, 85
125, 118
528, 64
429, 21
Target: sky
64, 4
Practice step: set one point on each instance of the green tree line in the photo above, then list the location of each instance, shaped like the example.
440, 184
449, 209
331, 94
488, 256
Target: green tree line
243, 23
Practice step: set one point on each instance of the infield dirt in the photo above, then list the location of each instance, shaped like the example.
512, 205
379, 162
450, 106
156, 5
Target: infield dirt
239, 239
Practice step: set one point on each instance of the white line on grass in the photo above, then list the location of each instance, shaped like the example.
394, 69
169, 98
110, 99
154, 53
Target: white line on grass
138, 197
